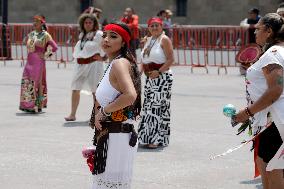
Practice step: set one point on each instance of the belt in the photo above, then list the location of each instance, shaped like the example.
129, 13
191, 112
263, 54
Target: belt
88, 60
151, 67
118, 127
101, 141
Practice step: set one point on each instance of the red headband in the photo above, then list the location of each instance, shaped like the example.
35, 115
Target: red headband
120, 31
40, 18
156, 20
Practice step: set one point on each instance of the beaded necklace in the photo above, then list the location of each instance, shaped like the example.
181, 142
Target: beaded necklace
147, 50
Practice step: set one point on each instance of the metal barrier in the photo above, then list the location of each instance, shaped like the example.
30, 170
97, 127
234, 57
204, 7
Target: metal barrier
195, 46
203, 46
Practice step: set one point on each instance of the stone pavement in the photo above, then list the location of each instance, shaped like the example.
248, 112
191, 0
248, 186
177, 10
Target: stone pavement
42, 151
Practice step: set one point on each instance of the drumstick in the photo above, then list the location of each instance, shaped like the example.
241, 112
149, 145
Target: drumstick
241, 145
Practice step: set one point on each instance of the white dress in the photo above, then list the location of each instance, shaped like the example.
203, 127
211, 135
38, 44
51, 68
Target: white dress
120, 155
256, 87
87, 76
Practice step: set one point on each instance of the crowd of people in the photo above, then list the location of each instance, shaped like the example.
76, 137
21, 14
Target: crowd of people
117, 89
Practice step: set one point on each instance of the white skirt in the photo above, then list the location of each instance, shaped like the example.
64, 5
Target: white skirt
87, 76
119, 163
277, 162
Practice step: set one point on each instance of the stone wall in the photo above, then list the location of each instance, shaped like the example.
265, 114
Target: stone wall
200, 12
55, 11
225, 11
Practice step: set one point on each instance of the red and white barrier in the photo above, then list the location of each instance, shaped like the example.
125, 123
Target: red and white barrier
195, 46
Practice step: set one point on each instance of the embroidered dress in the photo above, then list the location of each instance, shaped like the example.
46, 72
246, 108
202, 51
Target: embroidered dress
87, 76
154, 127
120, 155
33, 84
256, 86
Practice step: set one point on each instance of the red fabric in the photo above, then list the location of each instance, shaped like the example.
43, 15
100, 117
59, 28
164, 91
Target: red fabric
88, 60
90, 163
40, 18
118, 29
155, 20
248, 54
132, 23
151, 66
256, 146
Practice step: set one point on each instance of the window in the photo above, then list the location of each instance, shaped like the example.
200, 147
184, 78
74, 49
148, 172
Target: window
181, 7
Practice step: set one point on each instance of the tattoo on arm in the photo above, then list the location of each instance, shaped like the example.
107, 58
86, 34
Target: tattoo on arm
279, 80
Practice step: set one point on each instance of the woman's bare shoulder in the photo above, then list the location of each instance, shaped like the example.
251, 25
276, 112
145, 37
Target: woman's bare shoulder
121, 63
164, 37
165, 40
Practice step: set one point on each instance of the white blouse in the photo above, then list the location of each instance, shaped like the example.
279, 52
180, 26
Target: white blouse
157, 54
106, 93
90, 48
257, 84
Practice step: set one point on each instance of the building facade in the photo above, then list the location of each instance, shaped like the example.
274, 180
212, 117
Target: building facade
186, 12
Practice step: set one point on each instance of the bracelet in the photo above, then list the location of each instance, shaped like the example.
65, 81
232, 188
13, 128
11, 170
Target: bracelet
102, 110
248, 112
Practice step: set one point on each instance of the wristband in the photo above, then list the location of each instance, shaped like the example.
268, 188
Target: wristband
248, 112
102, 110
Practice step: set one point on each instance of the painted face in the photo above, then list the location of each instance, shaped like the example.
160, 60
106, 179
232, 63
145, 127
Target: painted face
262, 33
112, 42
155, 28
88, 25
37, 24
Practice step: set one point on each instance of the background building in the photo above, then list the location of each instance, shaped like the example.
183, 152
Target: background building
197, 12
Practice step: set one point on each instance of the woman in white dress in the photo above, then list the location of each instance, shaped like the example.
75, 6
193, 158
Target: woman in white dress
89, 61
118, 103
265, 94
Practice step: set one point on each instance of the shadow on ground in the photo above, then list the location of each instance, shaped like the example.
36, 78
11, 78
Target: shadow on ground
29, 114
143, 148
257, 182
76, 124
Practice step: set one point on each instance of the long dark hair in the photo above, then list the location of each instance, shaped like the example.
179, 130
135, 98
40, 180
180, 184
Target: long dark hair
135, 74
276, 23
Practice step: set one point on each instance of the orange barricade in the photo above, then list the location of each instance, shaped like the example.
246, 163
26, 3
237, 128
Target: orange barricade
205, 46
195, 46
